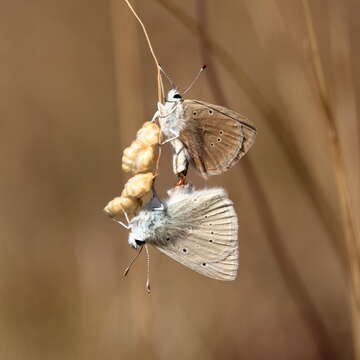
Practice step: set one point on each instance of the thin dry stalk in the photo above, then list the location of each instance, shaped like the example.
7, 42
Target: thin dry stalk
159, 78
352, 239
288, 271
283, 135
160, 84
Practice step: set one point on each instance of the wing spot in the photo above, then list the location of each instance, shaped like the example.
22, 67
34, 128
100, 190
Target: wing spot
211, 144
221, 132
210, 241
194, 113
167, 239
184, 250
218, 139
212, 233
206, 216
203, 264
211, 112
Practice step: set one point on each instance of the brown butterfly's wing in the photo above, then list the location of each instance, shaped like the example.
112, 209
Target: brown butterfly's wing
215, 136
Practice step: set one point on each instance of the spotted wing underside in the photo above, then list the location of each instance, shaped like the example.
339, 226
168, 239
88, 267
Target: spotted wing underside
205, 229
215, 136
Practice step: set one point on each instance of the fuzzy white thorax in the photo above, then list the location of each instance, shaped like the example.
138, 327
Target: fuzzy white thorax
172, 122
171, 114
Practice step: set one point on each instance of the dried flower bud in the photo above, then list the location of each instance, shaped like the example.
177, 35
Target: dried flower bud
138, 185
122, 203
130, 154
149, 134
144, 160
138, 157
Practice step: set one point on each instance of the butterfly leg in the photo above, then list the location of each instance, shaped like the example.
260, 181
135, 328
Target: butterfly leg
172, 138
122, 224
168, 140
156, 115
126, 217
162, 109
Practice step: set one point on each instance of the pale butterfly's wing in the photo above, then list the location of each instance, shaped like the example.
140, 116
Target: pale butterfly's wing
215, 137
202, 232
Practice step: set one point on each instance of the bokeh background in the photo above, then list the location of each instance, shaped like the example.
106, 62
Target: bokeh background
77, 80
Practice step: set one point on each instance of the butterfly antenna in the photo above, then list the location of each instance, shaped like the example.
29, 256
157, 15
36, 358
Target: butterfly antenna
126, 271
148, 269
195, 79
168, 78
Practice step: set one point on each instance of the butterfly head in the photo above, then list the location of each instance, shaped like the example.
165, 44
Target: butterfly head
145, 225
136, 238
138, 234
174, 96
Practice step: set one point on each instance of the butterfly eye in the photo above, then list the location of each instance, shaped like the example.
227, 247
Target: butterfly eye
177, 96
140, 242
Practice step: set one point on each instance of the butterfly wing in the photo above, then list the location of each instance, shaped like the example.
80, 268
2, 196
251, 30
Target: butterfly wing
202, 233
216, 137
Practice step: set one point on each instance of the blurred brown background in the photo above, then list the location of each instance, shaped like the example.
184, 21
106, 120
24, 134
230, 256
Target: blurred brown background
77, 81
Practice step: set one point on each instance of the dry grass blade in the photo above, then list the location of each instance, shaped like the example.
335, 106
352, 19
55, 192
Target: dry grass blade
159, 78
160, 84
288, 271
351, 237
283, 135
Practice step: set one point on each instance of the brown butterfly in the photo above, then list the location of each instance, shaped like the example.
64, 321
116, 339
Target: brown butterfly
210, 137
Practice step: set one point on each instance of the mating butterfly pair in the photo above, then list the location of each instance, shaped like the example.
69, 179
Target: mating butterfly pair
199, 229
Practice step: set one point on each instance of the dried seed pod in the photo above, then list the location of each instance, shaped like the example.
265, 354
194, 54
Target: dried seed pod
120, 203
130, 154
144, 160
138, 185
149, 134
138, 157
